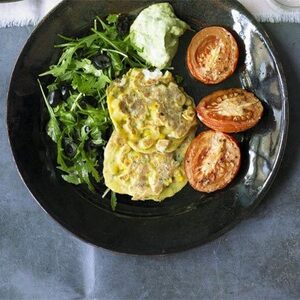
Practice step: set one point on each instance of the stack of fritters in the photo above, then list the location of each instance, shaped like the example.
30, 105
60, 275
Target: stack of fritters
154, 123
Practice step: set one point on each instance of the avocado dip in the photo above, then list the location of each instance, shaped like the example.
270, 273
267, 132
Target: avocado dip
155, 33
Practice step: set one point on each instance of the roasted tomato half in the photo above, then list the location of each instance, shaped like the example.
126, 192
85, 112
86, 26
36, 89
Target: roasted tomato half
212, 55
231, 110
212, 161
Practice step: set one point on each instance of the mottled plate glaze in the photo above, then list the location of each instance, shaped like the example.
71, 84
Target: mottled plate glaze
190, 218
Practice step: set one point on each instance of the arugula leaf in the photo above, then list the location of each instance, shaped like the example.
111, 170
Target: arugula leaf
89, 84
116, 62
63, 63
112, 19
74, 179
113, 200
53, 129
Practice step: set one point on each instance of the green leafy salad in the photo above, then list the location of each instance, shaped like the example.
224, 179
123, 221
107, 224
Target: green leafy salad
76, 100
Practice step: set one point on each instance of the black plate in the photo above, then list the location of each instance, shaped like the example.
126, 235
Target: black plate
190, 218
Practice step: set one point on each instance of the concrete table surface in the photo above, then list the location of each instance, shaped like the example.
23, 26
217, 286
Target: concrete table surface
258, 259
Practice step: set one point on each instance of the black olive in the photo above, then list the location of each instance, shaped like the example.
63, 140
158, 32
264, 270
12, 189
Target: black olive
87, 129
82, 103
88, 100
90, 146
64, 90
54, 98
70, 148
123, 24
101, 61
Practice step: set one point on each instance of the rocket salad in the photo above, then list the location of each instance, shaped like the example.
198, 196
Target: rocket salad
76, 99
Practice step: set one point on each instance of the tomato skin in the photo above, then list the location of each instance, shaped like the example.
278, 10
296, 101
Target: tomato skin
214, 110
212, 161
212, 55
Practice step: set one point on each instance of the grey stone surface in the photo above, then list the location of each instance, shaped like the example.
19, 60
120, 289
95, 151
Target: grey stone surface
258, 259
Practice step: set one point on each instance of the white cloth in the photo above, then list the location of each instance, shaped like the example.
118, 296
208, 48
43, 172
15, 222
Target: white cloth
32, 11
25, 12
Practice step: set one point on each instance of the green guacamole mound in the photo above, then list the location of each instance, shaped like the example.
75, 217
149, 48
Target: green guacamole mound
155, 32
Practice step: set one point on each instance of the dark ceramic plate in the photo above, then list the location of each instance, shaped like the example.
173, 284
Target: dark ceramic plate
189, 218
